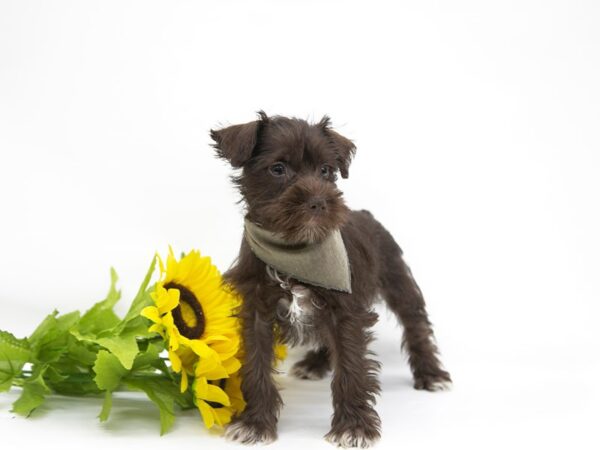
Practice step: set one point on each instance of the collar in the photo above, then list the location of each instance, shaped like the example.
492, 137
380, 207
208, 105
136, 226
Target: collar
324, 263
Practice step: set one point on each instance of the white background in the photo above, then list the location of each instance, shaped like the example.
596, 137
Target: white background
478, 148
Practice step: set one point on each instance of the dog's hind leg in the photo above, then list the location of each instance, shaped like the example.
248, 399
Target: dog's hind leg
314, 366
404, 297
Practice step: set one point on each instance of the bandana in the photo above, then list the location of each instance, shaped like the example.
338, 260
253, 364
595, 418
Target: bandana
324, 263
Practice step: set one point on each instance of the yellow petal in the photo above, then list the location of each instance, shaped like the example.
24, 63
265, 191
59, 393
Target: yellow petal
168, 321
157, 328
223, 415
184, 381
207, 413
174, 339
171, 265
280, 351
205, 365
216, 372
200, 387
151, 312
215, 338
232, 365
175, 361
161, 265
201, 349
216, 394
169, 301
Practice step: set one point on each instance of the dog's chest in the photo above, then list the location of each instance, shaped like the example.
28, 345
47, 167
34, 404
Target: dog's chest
296, 310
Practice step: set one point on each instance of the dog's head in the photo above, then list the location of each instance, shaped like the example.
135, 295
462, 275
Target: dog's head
289, 171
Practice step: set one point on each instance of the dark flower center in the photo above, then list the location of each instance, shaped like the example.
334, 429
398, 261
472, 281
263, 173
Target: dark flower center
188, 316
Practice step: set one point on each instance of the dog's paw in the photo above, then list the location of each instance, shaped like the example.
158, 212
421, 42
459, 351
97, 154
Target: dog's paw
440, 381
249, 433
353, 437
360, 431
307, 371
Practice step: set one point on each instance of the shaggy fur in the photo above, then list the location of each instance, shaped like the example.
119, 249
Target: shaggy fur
287, 182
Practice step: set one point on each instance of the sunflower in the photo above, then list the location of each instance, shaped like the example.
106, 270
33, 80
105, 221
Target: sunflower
193, 312
218, 397
280, 350
208, 394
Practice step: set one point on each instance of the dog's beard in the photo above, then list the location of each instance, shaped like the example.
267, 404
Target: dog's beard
290, 215
311, 231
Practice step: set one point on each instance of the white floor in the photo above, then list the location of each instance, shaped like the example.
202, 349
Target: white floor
530, 400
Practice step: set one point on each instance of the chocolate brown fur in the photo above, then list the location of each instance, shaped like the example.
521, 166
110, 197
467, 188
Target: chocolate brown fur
302, 202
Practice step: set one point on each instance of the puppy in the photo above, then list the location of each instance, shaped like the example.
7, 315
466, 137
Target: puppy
309, 271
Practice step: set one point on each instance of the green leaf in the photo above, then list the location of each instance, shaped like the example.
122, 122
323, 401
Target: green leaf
106, 407
43, 329
53, 324
186, 400
141, 300
14, 353
124, 347
33, 394
80, 384
162, 366
81, 353
101, 316
163, 394
150, 357
51, 338
138, 326
97, 321
53, 375
109, 371
121, 338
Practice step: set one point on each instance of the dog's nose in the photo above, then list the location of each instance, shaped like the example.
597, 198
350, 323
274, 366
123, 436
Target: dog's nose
317, 205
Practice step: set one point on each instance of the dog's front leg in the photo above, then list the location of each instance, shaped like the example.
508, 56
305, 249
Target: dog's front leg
258, 422
355, 384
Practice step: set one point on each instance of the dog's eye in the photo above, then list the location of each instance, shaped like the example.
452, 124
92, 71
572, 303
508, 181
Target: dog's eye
277, 169
326, 171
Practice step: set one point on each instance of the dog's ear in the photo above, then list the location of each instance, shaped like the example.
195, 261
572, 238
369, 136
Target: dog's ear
344, 147
236, 143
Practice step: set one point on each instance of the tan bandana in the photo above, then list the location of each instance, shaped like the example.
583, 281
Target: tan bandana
323, 263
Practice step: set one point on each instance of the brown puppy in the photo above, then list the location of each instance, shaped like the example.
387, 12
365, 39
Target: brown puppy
287, 182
